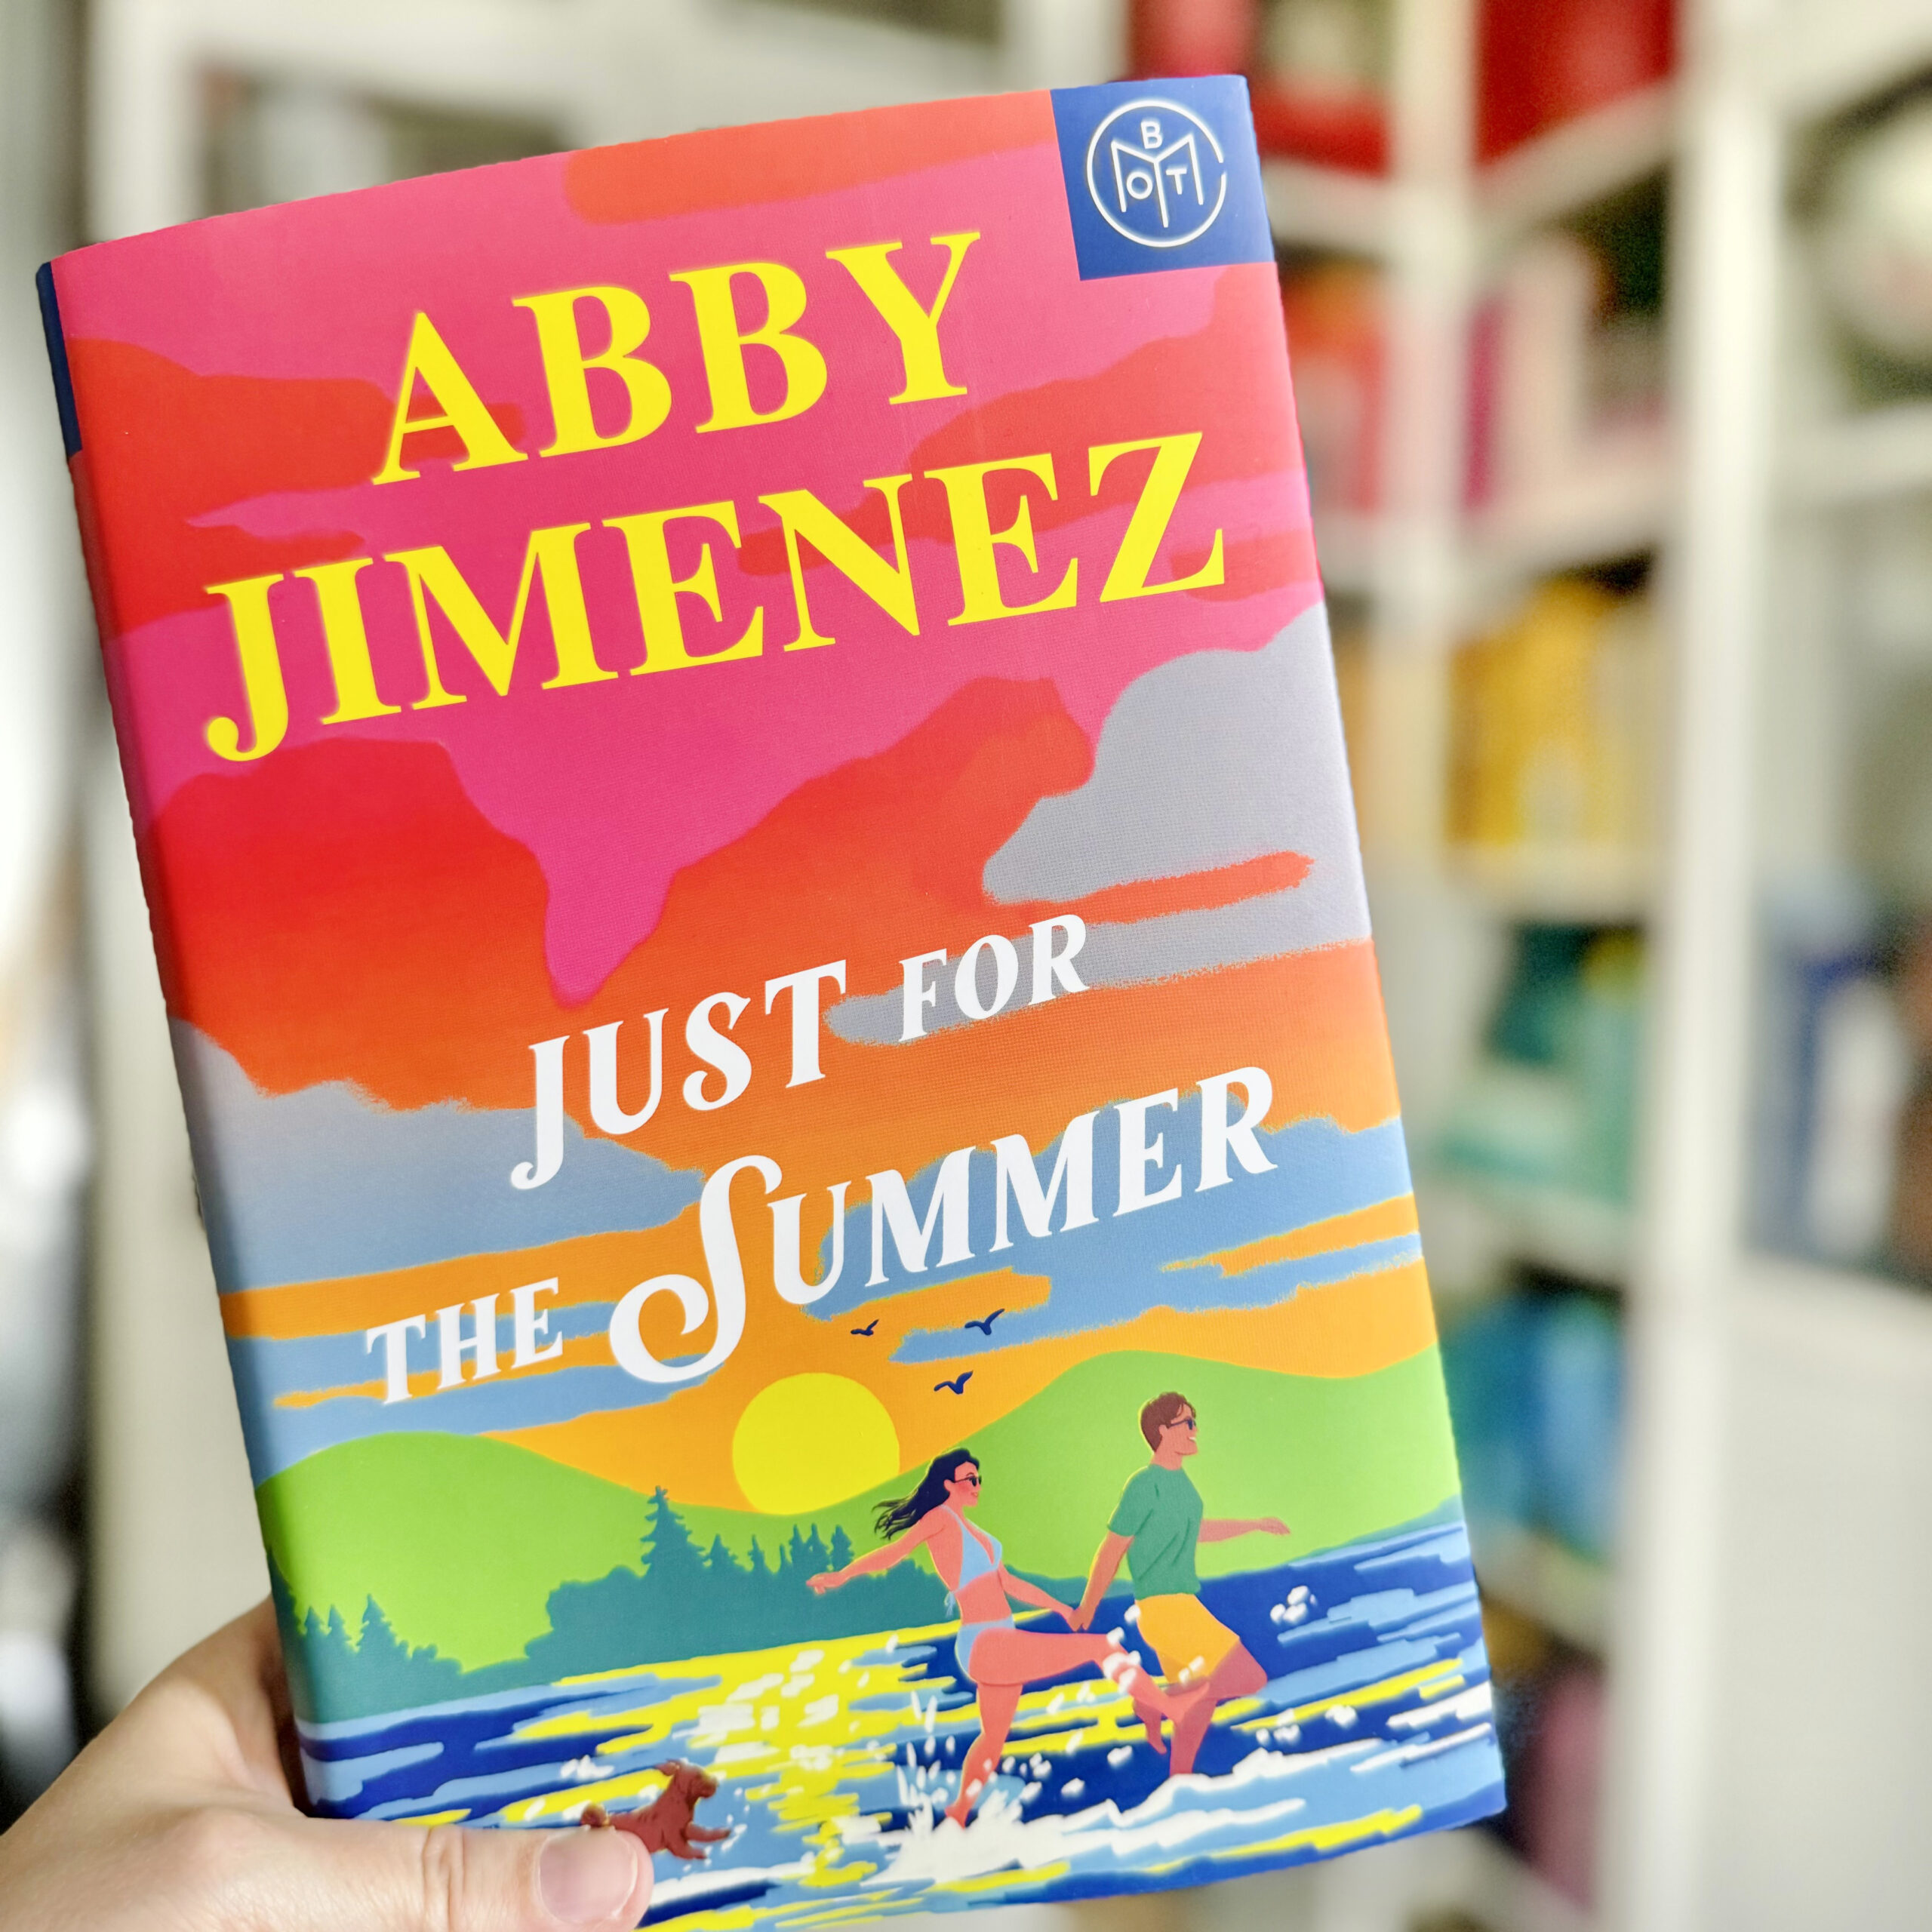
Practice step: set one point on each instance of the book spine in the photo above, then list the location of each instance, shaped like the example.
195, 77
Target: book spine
56, 355
93, 553
96, 549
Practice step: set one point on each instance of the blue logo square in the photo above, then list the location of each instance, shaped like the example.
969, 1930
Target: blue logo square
1161, 174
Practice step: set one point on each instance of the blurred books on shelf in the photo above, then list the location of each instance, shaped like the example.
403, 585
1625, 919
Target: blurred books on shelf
1536, 1383
1318, 69
1566, 423
1536, 1380
1552, 729
1320, 81
1550, 1102
1550, 1714
1336, 345
1844, 1165
1542, 63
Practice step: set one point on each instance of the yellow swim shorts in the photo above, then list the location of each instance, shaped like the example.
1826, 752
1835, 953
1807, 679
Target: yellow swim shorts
1186, 1637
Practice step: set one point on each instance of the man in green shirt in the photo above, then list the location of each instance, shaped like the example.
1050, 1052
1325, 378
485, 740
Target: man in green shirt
1154, 1527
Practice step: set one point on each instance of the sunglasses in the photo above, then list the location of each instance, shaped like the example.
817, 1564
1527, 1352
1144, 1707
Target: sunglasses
1181, 1421
973, 1480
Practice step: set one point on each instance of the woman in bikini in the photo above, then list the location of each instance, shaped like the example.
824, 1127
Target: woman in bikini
999, 1659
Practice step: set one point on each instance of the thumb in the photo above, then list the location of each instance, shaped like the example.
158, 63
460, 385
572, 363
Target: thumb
383, 1878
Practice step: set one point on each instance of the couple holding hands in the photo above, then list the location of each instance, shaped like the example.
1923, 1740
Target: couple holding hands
1155, 1529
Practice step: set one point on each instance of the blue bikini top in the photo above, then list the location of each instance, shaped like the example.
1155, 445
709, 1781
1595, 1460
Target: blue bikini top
974, 1563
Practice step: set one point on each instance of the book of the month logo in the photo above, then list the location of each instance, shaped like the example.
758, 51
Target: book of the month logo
1156, 173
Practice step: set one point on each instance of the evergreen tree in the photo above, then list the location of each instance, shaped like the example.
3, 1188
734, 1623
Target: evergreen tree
301, 1691
377, 1637
841, 1547
755, 1562
719, 1562
674, 1565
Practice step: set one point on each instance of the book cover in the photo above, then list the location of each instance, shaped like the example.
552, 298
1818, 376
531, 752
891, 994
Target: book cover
735, 756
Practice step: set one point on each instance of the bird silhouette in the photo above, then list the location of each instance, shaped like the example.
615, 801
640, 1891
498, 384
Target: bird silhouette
986, 1325
868, 1328
957, 1385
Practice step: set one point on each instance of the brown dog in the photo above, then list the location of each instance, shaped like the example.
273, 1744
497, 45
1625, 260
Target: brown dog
667, 1823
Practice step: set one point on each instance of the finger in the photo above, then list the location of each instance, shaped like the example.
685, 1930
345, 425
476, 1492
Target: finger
213, 1716
379, 1878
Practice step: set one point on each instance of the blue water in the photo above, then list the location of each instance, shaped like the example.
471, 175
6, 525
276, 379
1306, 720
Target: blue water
1061, 1821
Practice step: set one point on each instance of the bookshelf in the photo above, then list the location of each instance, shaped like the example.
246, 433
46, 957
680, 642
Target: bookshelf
1765, 1391
1760, 1386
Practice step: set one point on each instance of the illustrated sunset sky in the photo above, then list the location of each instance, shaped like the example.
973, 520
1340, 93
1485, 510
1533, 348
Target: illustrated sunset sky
363, 933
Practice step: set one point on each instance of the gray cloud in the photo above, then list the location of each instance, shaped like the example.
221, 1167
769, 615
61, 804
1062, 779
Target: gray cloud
1209, 760
321, 1183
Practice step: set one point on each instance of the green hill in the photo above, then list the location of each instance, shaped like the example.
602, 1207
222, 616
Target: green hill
461, 1539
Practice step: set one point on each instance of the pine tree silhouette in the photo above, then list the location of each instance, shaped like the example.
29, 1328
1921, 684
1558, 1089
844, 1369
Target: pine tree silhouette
672, 1561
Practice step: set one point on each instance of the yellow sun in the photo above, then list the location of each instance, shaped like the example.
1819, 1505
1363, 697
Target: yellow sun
812, 1440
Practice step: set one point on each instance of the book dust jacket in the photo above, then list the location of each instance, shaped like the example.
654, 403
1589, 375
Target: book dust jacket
736, 760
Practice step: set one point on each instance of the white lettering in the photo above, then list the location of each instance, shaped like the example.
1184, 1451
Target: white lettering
1016, 1172
1048, 965
804, 989
529, 1323
1137, 1156
1006, 976
787, 1249
727, 1282
549, 1057
605, 1108
1218, 1134
481, 1343
716, 1050
918, 995
891, 1205
393, 1335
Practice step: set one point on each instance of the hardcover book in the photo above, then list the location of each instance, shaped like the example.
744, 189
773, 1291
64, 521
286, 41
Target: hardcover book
818, 1260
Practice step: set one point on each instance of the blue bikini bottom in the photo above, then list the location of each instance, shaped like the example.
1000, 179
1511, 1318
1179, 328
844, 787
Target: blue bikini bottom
970, 1633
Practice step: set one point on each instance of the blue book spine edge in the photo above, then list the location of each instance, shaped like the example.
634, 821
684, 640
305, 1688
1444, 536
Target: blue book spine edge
56, 355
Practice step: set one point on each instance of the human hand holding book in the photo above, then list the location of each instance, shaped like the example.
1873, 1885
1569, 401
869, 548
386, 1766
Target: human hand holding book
180, 1813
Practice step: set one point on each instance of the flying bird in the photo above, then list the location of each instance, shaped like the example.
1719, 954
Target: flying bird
957, 1385
986, 1325
868, 1328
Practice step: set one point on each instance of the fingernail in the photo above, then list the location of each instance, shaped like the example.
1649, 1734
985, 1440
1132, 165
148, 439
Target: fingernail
585, 1876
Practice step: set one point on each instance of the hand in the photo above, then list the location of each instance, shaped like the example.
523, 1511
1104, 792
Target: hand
825, 1579
179, 1815
1080, 1616
1273, 1526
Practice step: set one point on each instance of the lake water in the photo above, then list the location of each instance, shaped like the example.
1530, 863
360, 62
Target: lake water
834, 1760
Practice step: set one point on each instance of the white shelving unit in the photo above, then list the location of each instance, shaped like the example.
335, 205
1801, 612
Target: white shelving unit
1817, 1447
1767, 1701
